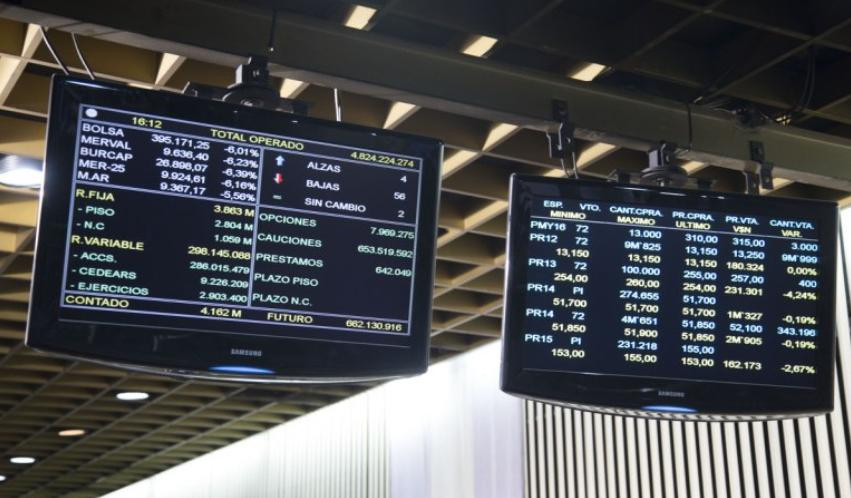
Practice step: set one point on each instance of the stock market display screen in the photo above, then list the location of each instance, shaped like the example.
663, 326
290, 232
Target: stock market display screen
256, 242
669, 301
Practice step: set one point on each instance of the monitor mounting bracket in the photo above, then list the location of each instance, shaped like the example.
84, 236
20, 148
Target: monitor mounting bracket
763, 178
563, 142
662, 170
252, 88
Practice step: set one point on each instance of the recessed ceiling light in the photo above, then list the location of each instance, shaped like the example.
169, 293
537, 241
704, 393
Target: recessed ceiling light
132, 396
587, 71
71, 432
22, 460
359, 16
479, 45
2, 478
17, 171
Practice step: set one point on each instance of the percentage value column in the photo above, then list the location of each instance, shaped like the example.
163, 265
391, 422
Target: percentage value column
223, 261
798, 330
240, 173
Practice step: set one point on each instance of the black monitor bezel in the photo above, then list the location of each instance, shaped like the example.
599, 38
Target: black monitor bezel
192, 353
624, 394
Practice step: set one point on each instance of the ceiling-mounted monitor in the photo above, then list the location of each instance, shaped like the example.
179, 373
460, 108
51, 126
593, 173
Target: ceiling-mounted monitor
196, 237
667, 302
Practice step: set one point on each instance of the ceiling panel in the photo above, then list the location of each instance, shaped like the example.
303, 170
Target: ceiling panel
734, 54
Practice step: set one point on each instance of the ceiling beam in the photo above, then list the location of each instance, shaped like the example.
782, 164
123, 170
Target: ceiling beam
331, 55
12, 67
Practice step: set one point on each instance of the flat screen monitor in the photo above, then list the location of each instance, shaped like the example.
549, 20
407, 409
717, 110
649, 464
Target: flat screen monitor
202, 238
667, 302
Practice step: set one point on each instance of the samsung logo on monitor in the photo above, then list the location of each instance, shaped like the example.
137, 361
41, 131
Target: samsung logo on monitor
246, 352
672, 394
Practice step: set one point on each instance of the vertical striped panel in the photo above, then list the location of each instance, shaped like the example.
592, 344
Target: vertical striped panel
609, 451
800, 458
336, 452
620, 461
612, 456
452, 433
445, 434
560, 463
600, 456
567, 424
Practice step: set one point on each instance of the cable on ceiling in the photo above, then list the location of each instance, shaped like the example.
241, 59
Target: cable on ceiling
732, 67
80, 56
808, 89
270, 46
575, 169
690, 126
52, 51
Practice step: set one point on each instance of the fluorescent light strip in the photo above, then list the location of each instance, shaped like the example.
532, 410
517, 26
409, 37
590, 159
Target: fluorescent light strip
359, 17
132, 396
479, 46
71, 432
587, 71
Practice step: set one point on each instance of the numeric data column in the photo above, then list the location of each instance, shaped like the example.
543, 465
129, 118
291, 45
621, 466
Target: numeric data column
640, 296
570, 300
745, 287
798, 330
220, 260
698, 325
